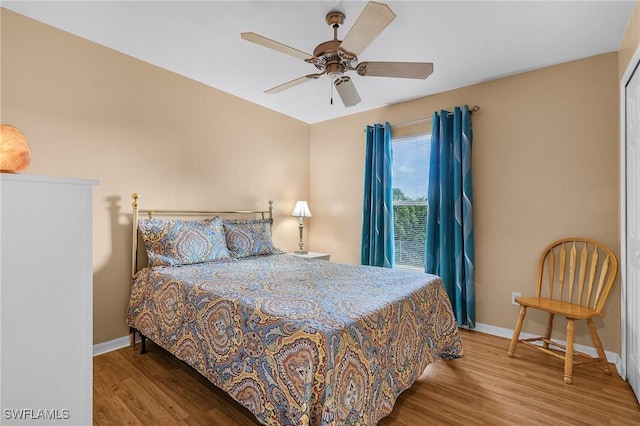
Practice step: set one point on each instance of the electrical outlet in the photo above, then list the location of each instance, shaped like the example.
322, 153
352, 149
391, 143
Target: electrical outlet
513, 297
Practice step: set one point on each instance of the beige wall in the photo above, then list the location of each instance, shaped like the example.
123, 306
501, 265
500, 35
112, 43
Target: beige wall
630, 41
91, 112
545, 166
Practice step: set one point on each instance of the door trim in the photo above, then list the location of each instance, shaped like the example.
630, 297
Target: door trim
626, 77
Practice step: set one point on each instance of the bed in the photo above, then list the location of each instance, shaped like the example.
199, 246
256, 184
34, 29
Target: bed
295, 341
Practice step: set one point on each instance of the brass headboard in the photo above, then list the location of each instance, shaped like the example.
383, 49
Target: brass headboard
176, 213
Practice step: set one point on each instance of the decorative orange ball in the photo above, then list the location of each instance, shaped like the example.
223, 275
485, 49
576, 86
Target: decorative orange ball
15, 154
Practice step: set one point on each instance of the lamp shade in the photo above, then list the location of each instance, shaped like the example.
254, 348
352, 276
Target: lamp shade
301, 209
15, 154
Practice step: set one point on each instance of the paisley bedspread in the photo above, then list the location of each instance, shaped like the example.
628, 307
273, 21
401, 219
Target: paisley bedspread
297, 341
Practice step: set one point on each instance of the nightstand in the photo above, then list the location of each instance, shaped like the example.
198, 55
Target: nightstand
314, 255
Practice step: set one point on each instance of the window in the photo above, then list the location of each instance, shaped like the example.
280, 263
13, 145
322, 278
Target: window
410, 183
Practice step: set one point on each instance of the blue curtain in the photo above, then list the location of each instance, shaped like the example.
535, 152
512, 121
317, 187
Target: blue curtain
377, 213
450, 247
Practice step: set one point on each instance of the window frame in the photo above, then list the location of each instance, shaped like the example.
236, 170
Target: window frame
394, 142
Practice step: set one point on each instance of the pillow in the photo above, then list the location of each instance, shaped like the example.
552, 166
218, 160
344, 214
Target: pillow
249, 237
183, 242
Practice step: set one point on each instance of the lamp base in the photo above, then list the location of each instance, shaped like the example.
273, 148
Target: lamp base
300, 252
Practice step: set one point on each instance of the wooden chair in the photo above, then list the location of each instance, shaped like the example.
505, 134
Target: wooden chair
594, 266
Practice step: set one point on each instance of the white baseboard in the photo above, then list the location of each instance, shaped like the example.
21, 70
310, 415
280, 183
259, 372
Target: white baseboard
111, 345
505, 332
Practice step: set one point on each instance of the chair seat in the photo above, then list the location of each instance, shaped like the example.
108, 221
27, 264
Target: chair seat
553, 306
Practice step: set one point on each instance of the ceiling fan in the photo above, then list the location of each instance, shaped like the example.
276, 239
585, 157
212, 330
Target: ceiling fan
336, 57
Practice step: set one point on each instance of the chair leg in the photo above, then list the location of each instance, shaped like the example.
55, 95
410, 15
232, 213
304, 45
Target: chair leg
516, 331
568, 358
549, 328
596, 340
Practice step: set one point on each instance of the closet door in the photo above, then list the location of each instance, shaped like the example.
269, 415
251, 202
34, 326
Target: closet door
631, 240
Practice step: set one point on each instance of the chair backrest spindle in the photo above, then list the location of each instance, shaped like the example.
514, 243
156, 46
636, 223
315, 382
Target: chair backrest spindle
584, 255
592, 276
563, 259
551, 273
599, 293
572, 271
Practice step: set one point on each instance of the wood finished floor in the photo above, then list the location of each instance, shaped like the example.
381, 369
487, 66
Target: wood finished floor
485, 387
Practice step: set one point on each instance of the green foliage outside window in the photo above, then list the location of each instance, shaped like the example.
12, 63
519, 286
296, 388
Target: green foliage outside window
410, 219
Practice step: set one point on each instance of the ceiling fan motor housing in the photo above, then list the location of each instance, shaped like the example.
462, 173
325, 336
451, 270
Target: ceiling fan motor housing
328, 56
330, 59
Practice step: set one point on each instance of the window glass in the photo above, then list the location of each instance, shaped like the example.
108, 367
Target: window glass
410, 183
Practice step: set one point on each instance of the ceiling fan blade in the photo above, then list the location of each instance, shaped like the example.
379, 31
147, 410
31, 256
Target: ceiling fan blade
347, 91
395, 69
292, 83
372, 21
271, 44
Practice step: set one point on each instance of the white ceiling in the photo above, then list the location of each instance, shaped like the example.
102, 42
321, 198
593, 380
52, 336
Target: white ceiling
468, 42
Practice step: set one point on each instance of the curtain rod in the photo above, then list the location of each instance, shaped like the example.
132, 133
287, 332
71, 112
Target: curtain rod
475, 108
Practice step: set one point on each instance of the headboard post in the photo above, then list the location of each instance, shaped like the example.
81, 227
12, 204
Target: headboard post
134, 239
270, 209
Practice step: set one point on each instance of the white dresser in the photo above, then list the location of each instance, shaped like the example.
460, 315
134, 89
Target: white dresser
46, 306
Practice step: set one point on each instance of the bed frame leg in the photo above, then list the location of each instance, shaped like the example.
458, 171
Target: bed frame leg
132, 336
132, 340
143, 340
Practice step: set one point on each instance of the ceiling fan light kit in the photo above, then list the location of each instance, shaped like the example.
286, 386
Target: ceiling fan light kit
335, 57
